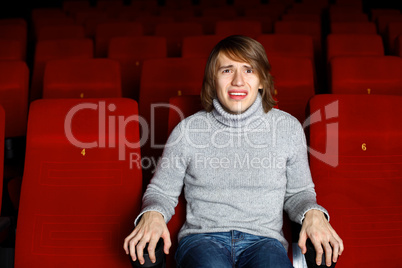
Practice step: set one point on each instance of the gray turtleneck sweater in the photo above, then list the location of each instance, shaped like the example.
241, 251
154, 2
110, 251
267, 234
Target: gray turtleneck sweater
239, 172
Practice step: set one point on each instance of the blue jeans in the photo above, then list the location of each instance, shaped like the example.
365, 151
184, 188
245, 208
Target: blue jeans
231, 249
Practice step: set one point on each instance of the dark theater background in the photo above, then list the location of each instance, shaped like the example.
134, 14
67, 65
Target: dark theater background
80, 80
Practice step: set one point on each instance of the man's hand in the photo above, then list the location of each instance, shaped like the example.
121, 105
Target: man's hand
150, 229
322, 235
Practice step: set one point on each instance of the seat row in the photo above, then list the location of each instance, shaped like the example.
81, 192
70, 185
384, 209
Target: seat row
166, 77
55, 23
82, 182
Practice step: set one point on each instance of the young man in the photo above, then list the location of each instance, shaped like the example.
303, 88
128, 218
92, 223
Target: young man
241, 163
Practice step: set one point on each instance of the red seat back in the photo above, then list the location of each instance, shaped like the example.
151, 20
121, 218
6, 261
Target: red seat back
15, 31
353, 28
11, 50
130, 52
366, 75
251, 28
55, 50
302, 27
356, 166
14, 80
106, 31
200, 45
162, 79
82, 78
52, 32
294, 84
354, 45
175, 32
283, 45
394, 29
80, 190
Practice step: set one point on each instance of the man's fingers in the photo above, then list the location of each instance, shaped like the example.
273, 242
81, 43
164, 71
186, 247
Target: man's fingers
302, 242
151, 248
318, 251
127, 241
328, 254
167, 243
140, 249
132, 245
335, 251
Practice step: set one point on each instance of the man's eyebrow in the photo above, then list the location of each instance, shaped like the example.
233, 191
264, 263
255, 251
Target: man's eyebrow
225, 66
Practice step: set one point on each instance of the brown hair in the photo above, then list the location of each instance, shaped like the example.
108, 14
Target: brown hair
239, 48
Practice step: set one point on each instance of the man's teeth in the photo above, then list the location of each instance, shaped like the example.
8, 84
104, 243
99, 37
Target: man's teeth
238, 94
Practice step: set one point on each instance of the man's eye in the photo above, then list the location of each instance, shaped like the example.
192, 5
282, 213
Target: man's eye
226, 71
249, 71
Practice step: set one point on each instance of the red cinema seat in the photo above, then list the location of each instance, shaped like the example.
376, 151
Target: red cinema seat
224, 12
149, 22
14, 80
179, 15
106, 31
82, 78
54, 50
301, 17
70, 7
302, 27
162, 79
294, 84
82, 183
394, 29
175, 32
376, 12
274, 11
354, 45
200, 45
398, 48
83, 15
353, 28
345, 9
355, 163
11, 50
14, 21
130, 52
366, 75
15, 32
282, 45
348, 17
208, 23
57, 21
55, 32
383, 21
307, 8
267, 23
46, 12
251, 28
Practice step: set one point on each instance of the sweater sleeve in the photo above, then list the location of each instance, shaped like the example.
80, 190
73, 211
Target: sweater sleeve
300, 194
166, 185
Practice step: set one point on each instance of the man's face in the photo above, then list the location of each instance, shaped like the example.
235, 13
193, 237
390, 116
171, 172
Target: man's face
237, 84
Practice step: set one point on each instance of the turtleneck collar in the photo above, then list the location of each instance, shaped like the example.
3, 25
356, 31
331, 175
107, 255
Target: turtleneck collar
250, 118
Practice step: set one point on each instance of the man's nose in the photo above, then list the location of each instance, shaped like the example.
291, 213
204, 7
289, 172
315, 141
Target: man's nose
238, 79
